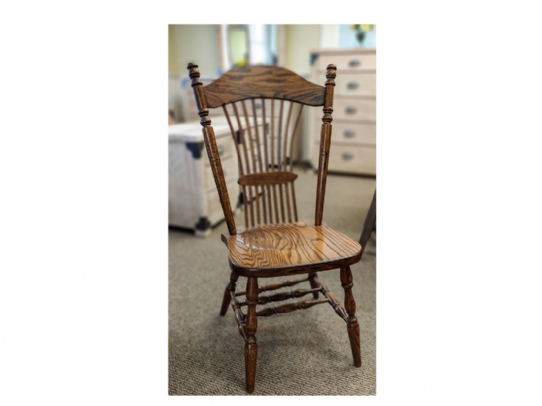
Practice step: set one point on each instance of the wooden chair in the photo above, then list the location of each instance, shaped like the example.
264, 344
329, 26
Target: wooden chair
273, 242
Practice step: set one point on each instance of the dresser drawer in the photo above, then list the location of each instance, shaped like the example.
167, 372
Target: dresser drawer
360, 109
229, 167
358, 84
225, 146
354, 159
354, 133
358, 62
213, 201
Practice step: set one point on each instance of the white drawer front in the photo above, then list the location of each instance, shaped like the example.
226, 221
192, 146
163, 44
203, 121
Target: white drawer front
229, 167
361, 109
354, 159
226, 148
359, 62
215, 208
354, 133
359, 84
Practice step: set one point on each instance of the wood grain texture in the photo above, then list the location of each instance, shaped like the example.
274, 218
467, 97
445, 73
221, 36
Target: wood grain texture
251, 346
265, 145
290, 307
240, 317
251, 82
314, 284
352, 325
273, 243
325, 142
267, 178
211, 147
290, 248
218, 174
323, 160
332, 300
278, 297
276, 285
228, 292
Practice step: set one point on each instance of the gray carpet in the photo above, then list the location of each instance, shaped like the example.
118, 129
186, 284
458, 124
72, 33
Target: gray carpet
306, 352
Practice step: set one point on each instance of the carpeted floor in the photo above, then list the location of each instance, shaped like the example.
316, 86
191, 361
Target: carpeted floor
306, 352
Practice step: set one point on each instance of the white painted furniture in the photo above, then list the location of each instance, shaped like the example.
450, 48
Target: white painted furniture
353, 141
193, 198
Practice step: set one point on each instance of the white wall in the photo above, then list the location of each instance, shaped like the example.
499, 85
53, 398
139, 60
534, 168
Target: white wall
193, 43
189, 43
298, 42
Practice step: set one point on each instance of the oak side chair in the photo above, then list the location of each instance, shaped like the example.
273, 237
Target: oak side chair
273, 242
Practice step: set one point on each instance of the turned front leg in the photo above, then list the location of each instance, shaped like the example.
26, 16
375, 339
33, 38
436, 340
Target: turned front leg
251, 347
230, 289
352, 322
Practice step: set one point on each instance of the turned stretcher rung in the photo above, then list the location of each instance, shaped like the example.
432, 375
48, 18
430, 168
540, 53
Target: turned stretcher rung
283, 296
290, 307
239, 315
275, 286
331, 299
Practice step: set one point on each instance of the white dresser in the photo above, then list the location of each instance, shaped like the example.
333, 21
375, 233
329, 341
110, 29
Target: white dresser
193, 199
353, 141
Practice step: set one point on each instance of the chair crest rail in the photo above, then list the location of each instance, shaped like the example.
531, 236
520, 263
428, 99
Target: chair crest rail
252, 82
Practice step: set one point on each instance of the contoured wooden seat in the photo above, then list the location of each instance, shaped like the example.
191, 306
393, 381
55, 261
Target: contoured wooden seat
289, 248
263, 107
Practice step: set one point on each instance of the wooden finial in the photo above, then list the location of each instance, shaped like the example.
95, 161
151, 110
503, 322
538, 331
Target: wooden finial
193, 73
331, 72
193, 70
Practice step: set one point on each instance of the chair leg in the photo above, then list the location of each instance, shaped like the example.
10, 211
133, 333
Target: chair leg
352, 325
230, 287
313, 283
251, 347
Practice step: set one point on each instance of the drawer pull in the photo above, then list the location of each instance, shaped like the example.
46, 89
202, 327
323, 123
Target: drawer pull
351, 110
349, 133
352, 85
221, 149
347, 155
354, 63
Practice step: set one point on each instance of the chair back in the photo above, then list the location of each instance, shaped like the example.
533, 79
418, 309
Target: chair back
263, 106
